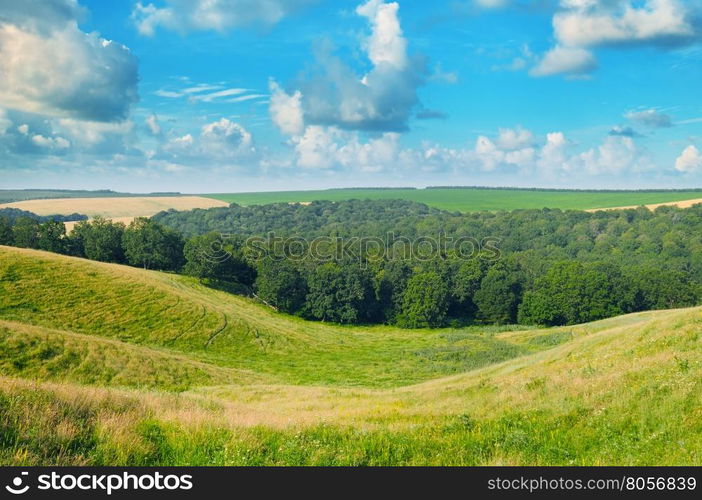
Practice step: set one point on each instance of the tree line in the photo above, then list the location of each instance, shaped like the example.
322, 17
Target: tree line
554, 268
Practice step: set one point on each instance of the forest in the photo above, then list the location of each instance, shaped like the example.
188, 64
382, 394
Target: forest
535, 267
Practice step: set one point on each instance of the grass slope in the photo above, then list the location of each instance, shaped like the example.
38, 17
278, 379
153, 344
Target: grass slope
102, 364
473, 199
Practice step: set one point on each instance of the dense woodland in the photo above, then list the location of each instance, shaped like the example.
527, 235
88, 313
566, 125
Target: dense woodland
552, 267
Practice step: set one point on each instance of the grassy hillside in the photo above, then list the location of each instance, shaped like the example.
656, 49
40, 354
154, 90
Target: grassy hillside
473, 199
103, 364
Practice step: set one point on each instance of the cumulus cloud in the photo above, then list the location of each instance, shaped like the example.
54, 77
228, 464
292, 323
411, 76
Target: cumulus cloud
650, 118
286, 110
582, 25
330, 147
218, 15
49, 66
689, 161
567, 60
515, 138
381, 100
616, 155
588, 23
222, 142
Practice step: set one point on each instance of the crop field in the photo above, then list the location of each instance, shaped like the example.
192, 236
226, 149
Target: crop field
475, 199
122, 209
10, 195
138, 367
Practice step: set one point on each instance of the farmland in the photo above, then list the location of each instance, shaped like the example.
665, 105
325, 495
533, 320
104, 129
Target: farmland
128, 366
474, 199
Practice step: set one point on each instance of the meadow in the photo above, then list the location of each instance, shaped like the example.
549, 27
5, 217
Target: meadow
474, 199
127, 366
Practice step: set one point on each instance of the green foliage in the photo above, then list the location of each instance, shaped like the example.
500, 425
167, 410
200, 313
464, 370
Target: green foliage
342, 294
25, 233
214, 257
569, 293
499, 294
5, 232
280, 284
99, 239
149, 245
425, 301
51, 237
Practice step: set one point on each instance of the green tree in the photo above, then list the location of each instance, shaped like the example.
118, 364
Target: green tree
51, 236
281, 285
390, 283
464, 285
99, 239
5, 232
425, 301
149, 245
569, 293
25, 233
499, 294
342, 294
215, 257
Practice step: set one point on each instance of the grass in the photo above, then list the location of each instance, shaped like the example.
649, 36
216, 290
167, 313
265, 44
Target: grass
473, 199
108, 365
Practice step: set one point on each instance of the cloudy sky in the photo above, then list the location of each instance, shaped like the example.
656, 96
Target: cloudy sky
246, 95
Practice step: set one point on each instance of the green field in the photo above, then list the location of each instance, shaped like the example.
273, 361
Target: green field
12, 195
110, 365
473, 199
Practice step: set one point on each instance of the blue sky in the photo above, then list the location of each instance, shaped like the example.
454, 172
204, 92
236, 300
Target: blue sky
244, 95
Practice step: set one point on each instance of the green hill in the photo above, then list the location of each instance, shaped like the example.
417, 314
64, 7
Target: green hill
106, 364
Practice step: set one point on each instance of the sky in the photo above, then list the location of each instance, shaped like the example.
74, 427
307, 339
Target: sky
260, 95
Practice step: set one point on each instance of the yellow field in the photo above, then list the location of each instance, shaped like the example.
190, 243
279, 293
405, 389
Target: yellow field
653, 206
122, 208
119, 209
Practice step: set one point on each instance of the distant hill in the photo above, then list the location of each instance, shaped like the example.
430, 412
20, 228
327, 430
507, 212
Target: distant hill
12, 195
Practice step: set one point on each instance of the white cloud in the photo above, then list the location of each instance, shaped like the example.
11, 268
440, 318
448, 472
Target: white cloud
554, 153
382, 100
568, 60
286, 110
581, 25
225, 138
153, 126
222, 142
386, 45
53, 143
689, 161
587, 23
217, 15
650, 118
49, 66
330, 147
616, 155
514, 138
